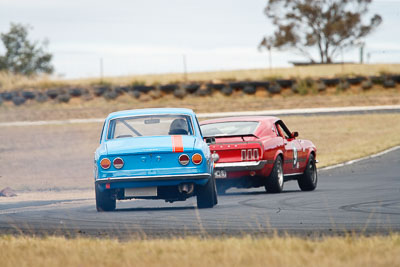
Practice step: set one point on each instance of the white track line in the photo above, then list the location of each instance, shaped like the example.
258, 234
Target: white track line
360, 159
222, 114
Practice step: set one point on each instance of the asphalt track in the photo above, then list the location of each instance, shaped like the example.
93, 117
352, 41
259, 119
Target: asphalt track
359, 198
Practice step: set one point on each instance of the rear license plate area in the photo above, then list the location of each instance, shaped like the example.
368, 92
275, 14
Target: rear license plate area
220, 174
141, 192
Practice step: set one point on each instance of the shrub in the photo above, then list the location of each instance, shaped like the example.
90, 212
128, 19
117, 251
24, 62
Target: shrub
18, 100
342, 86
122, 89
75, 92
7, 96
305, 86
203, 91
63, 98
134, 83
366, 85
275, 88
227, 90
156, 93
110, 94
321, 87
295, 88
389, 83
376, 79
99, 90
180, 93
135, 94
41, 98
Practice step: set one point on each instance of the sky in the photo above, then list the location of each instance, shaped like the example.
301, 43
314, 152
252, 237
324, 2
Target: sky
140, 37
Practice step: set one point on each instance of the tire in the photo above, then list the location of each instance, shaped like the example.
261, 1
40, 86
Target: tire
274, 183
104, 200
215, 192
308, 181
207, 195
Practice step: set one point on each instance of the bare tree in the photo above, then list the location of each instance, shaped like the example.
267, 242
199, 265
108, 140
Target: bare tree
328, 25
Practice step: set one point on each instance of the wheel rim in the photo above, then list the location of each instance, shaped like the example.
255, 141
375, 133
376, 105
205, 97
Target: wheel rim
280, 174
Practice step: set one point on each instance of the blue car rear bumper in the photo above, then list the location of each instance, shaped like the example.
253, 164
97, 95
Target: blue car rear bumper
150, 181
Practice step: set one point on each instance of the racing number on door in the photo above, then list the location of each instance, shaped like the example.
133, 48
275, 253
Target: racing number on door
295, 156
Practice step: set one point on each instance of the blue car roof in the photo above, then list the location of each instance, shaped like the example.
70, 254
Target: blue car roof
147, 111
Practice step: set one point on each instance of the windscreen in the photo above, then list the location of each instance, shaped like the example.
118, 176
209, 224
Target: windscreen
150, 125
229, 128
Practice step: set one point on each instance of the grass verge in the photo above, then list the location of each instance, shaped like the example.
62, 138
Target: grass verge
343, 138
245, 251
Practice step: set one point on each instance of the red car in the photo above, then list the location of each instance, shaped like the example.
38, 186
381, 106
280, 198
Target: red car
259, 151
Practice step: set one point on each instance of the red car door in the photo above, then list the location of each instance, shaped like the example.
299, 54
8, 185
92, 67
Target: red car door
292, 150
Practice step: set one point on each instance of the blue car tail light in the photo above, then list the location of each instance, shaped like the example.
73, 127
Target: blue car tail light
197, 159
184, 159
105, 163
118, 163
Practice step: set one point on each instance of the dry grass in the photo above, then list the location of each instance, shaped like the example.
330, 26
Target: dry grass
259, 74
246, 251
343, 138
14, 82
61, 156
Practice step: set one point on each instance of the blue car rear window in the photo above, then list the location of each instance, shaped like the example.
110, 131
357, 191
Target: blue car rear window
150, 125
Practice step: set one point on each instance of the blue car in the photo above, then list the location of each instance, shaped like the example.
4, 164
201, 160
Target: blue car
153, 154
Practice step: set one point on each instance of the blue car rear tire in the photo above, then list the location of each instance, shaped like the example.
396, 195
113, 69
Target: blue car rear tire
105, 201
207, 195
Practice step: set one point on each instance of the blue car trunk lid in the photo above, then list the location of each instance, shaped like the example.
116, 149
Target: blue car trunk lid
147, 156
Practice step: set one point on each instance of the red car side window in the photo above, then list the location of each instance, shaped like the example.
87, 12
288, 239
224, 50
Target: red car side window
280, 132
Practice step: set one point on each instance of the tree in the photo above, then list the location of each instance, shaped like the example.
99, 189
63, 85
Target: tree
23, 56
328, 25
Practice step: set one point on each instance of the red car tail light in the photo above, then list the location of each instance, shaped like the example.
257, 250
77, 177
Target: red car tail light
256, 154
184, 159
197, 158
105, 163
118, 163
243, 154
250, 154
